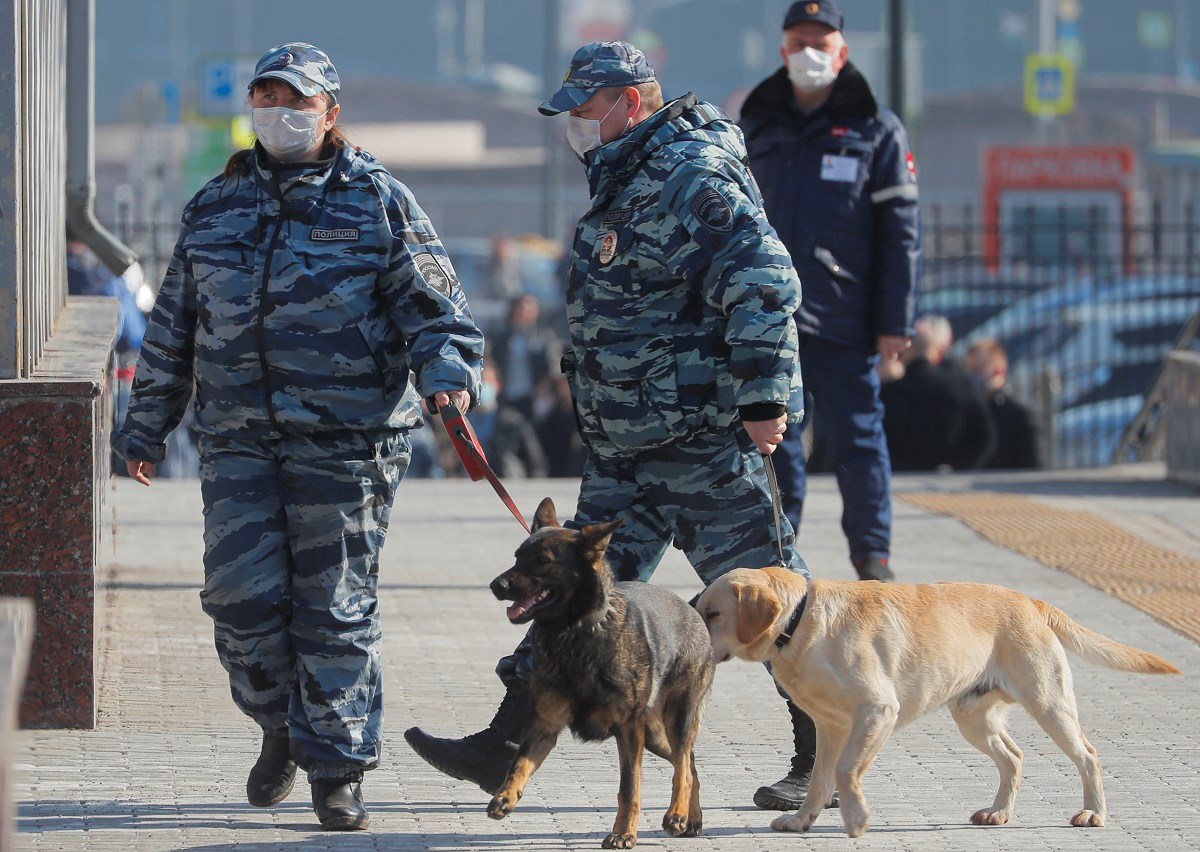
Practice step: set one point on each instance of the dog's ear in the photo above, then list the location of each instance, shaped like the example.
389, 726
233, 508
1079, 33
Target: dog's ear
544, 516
594, 539
757, 608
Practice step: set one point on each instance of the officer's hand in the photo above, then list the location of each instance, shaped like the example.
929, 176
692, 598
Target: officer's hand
141, 471
891, 345
460, 398
766, 434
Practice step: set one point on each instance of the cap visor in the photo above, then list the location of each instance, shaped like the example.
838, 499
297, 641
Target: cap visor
303, 85
565, 99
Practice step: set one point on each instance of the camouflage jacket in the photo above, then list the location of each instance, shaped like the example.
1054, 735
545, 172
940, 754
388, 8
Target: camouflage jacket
680, 296
306, 300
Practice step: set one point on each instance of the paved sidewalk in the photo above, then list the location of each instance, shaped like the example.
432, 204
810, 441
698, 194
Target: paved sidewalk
166, 766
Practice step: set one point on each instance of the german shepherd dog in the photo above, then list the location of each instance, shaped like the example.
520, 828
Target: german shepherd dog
625, 660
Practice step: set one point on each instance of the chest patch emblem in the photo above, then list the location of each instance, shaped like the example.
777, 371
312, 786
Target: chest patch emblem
333, 234
608, 247
432, 271
713, 210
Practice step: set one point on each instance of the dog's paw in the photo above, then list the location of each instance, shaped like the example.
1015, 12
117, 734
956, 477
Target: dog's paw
675, 824
1087, 819
988, 816
855, 816
856, 829
791, 822
501, 805
619, 841
678, 825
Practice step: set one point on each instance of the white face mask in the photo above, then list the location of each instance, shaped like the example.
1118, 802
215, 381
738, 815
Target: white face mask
810, 69
287, 134
583, 134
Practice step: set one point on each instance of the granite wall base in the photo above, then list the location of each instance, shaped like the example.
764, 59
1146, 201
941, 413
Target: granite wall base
54, 464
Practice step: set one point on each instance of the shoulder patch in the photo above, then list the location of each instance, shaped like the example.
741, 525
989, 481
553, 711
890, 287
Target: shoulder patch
713, 210
432, 271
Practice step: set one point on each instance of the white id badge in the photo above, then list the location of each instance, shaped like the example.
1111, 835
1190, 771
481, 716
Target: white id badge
834, 167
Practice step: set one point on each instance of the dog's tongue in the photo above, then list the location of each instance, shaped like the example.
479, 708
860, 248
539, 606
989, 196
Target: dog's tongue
519, 608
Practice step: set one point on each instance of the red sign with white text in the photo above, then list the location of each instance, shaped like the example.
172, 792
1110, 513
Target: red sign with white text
1060, 173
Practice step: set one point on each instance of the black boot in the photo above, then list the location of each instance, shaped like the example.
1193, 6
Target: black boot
273, 775
874, 567
483, 758
788, 793
339, 805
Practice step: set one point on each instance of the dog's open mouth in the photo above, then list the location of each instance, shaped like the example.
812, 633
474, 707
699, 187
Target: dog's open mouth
522, 611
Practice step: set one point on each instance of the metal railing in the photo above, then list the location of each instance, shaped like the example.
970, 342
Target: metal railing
1086, 306
32, 244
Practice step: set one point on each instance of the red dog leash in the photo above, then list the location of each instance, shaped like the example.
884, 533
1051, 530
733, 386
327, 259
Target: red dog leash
462, 438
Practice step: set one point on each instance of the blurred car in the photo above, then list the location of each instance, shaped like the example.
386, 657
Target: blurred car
1101, 345
1030, 327
1087, 435
1097, 351
967, 304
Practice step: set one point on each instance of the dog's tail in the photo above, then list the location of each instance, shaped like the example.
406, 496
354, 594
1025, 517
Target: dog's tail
1097, 648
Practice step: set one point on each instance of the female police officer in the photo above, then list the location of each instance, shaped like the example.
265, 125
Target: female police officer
310, 306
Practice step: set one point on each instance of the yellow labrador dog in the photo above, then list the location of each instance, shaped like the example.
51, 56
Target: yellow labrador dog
866, 658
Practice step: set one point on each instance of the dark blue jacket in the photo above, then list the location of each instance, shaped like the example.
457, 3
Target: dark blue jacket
840, 188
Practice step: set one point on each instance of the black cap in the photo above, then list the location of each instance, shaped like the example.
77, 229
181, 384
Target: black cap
821, 11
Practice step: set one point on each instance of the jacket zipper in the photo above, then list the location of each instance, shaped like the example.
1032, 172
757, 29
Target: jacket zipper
262, 312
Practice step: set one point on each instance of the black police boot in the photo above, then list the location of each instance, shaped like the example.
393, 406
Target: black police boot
788, 793
483, 758
874, 567
274, 774
339, 805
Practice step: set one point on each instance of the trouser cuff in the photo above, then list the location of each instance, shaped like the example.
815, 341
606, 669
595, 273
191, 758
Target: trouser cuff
336, 772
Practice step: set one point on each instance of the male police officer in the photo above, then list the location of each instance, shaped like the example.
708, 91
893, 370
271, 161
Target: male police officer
840, 187
682, 363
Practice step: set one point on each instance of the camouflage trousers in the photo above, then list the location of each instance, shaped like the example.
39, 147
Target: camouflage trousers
708, 496
293, 529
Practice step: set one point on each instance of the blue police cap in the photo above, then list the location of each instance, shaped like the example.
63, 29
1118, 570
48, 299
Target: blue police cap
301, 66
824, 12
597, 66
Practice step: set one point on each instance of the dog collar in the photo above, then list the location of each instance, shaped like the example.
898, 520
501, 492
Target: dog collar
793, 623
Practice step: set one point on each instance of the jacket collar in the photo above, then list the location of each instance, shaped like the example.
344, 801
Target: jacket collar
302, 179
624, 155
850, 99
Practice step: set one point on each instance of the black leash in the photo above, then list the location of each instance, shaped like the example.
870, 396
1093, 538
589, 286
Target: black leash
798, 613
775, 507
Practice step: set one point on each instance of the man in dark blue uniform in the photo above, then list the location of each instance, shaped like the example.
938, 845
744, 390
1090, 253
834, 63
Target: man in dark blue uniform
839, 185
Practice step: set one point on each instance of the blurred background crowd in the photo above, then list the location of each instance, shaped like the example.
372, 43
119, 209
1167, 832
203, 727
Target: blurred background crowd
1057, 143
